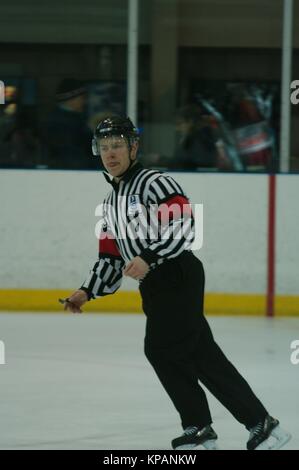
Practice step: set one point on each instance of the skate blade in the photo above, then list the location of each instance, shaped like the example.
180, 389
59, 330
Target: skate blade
277, 439
208, 445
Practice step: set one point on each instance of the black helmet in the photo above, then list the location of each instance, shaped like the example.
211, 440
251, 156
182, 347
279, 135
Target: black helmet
115, 125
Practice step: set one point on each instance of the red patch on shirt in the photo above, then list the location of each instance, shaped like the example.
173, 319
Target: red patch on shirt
108, 245
174, 208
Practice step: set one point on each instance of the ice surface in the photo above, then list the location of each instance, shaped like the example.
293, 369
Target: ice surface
83, 382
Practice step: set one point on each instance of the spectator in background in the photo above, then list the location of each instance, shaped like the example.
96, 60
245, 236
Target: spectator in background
19, 141
7, 124
66, 134
251, 129
199, 146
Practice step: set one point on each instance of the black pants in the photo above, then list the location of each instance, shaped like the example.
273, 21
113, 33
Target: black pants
180, 346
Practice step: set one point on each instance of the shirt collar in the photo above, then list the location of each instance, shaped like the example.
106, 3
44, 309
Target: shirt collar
127, 176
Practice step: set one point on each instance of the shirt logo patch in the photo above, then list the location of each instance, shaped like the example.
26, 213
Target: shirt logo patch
134, 205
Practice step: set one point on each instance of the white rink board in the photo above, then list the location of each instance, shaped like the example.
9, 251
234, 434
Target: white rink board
48, 221
287, 236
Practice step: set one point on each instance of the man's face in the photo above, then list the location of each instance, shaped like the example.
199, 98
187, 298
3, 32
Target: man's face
114, 152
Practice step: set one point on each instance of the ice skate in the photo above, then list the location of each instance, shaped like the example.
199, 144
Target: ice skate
267, 435
194, 438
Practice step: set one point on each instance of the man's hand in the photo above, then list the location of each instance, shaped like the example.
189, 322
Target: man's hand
75, 301
137, 268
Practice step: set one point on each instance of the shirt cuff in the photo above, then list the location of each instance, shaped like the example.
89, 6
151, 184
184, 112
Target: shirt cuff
148, 256
88, 292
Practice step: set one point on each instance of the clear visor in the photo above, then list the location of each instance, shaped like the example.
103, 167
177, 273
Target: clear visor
107, 143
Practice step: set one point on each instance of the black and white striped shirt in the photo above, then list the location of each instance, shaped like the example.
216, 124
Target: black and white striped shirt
146, 214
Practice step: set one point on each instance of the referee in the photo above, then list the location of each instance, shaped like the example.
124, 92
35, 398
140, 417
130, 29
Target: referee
147, 234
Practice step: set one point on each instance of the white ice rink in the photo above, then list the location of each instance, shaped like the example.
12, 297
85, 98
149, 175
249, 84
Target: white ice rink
82, 381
